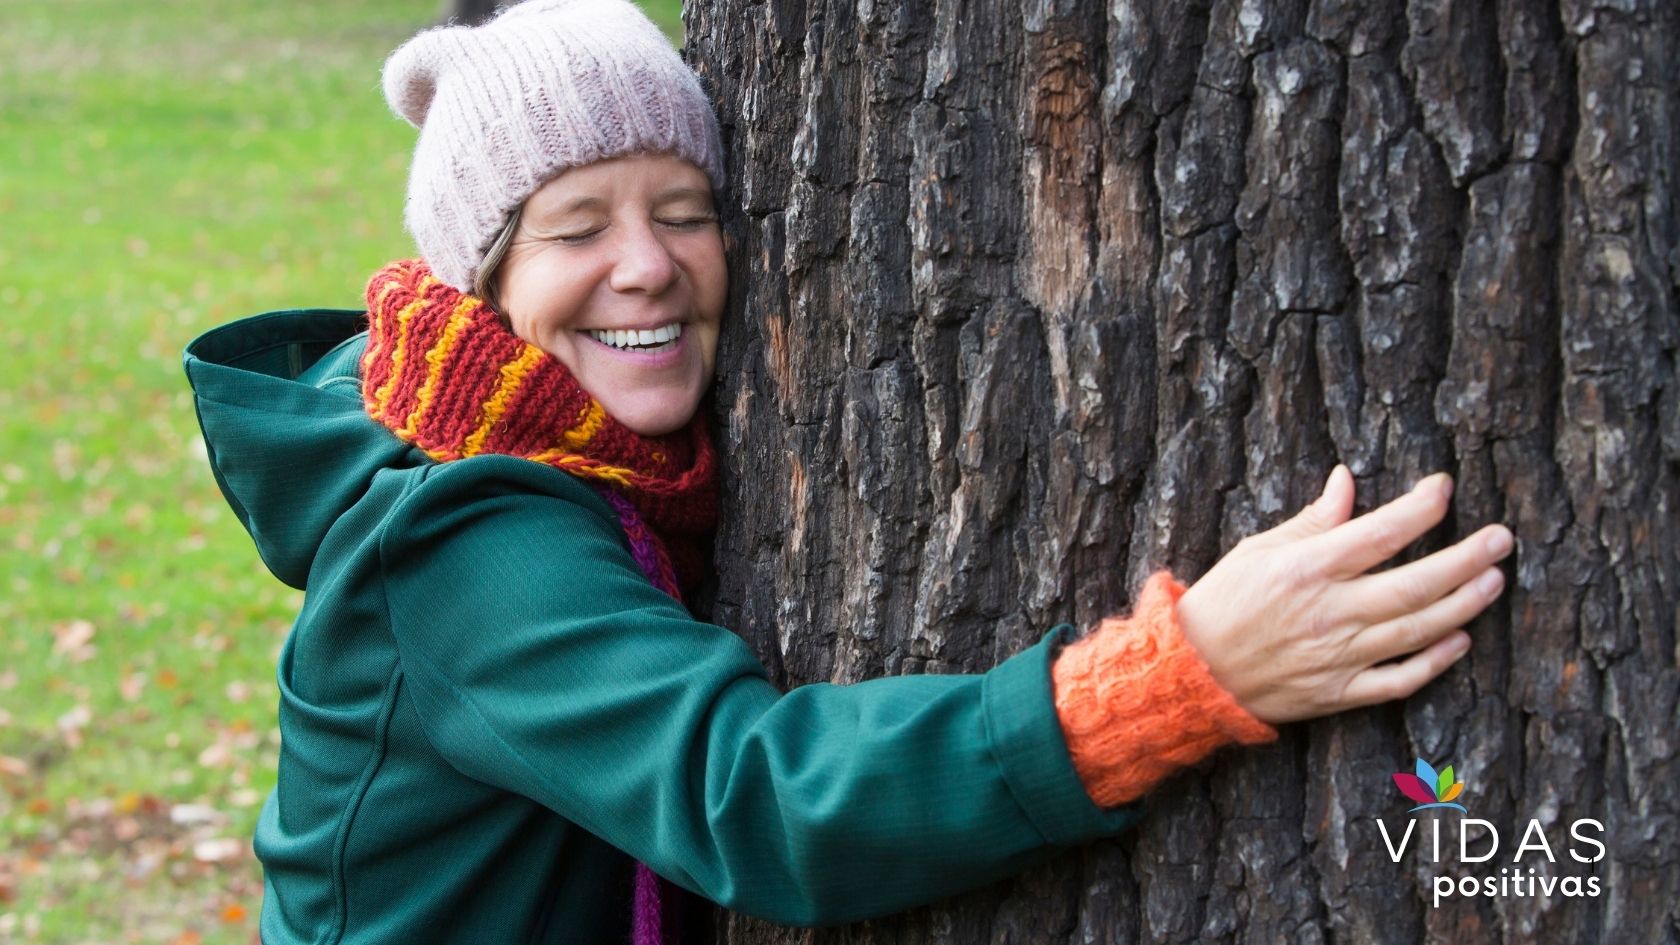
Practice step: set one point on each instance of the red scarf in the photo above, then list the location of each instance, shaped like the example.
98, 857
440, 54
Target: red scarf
444, 374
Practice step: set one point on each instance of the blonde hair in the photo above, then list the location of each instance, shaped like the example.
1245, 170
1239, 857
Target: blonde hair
484, 281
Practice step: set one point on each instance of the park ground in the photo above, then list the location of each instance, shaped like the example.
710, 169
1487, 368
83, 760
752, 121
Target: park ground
166, 167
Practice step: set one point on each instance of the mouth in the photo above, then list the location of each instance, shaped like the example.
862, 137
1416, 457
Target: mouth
665, 347
664, 338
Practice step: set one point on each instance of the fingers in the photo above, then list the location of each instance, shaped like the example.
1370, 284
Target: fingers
1329, 510
1419, 629
1355, 547
1389, 681
1336, 504
1396, 592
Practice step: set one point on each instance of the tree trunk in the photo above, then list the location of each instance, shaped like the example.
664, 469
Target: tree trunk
1030, 300
473, 12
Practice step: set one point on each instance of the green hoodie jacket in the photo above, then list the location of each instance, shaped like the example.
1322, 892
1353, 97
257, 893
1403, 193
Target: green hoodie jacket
486, 710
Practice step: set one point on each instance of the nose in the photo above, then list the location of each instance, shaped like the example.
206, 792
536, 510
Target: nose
644, 264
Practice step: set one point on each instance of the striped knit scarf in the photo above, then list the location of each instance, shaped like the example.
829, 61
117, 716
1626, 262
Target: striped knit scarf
444, 374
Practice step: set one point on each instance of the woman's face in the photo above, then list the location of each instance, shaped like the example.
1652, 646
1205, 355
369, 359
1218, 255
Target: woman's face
626, 243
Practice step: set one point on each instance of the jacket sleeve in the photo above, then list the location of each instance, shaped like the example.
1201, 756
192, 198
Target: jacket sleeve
541, 660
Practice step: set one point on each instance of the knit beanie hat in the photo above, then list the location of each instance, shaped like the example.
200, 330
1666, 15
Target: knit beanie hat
504, 107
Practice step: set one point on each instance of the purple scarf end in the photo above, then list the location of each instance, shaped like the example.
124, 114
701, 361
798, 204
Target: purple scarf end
654, 899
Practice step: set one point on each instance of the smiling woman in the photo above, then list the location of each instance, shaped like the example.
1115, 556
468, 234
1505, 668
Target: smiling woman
624, 245
500, 722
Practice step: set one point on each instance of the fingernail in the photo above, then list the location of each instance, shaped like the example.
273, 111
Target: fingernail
1490, 583
1432, 481
1438, 481
1499, 543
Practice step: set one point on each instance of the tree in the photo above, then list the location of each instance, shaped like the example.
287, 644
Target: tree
473, 12
1031, 299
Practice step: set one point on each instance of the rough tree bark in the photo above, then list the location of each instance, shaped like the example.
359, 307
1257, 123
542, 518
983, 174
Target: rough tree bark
472, 12
1030, 299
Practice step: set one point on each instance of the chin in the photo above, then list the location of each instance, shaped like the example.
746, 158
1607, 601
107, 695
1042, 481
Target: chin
656, 428
652, 422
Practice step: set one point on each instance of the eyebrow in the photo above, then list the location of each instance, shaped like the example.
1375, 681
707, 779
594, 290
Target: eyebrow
665, 196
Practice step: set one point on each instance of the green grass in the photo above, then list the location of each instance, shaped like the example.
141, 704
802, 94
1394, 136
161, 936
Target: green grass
166, 167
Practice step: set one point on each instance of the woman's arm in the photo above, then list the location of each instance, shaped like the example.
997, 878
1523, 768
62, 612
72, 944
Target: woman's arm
1285, 627
541, 660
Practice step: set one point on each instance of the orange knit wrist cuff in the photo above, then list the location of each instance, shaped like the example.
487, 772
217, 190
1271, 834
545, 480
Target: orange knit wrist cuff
1137, 702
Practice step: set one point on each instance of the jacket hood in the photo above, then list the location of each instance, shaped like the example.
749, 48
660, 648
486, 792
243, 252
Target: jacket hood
279, 402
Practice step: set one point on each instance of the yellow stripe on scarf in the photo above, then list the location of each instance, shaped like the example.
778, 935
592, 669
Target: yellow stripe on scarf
382, 397
576, 438
583, 465
458, 322
371, 356
512, 378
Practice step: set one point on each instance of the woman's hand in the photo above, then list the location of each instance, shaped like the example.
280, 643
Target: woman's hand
1292, 626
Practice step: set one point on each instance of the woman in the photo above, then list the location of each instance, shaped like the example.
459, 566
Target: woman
499, 721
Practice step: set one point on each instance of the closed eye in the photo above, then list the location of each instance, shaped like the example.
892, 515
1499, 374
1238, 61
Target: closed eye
691, 223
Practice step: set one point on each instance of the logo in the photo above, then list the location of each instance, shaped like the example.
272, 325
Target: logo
1541, 876
1430, 789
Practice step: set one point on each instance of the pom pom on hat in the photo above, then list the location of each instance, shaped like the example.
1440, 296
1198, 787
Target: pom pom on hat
410, 76
545, 86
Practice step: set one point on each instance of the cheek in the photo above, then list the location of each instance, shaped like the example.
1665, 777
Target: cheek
708, 351
721, 292
711, 275
521, 318
511, 298
542, 304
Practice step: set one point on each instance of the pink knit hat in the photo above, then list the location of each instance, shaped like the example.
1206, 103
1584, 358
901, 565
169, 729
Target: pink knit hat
504, 107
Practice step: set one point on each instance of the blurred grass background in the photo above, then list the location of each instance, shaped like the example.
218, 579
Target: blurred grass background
165, 167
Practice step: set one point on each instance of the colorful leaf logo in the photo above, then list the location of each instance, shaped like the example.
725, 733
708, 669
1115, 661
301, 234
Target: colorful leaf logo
1428, 788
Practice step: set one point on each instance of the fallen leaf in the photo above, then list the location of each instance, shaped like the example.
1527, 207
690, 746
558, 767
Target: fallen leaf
188, 814
71, 723
217, 755
217, 850
75, 640
131, 685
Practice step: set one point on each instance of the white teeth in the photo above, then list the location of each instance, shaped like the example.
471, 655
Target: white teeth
625, 339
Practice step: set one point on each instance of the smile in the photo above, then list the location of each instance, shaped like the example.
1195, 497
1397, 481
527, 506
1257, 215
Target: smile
627, 347
659, 339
